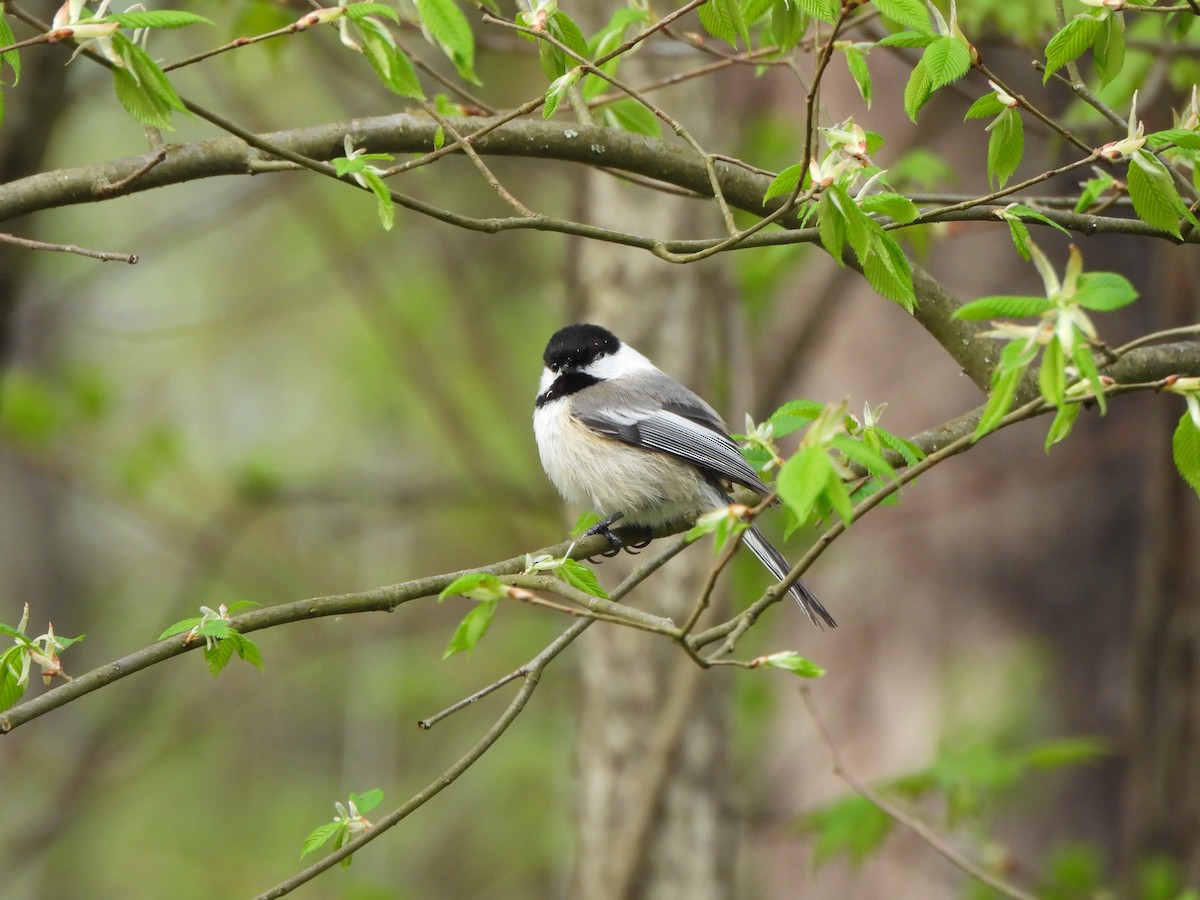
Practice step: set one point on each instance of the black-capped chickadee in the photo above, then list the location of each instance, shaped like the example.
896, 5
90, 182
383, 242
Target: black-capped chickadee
619, 436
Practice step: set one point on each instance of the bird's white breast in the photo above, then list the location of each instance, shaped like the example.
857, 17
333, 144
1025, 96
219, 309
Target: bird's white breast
603, 474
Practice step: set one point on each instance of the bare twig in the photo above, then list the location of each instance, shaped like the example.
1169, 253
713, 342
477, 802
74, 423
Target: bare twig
636, 577
465, 145
446, 778
899, 816
117, 186
103, 255
1037, 113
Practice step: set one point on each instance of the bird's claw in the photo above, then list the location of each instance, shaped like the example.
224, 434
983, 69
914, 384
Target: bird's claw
616, 542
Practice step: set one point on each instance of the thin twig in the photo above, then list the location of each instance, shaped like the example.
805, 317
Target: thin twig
1028, 106
465, 146
676, 126
445, 779
636, 577
899, 816
235, 44
115, 187
812, 100
102, 255
28, 42
426, 724
1004, 192
1155, 337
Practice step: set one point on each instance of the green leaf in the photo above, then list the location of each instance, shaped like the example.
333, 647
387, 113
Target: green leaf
472, 628
856, 62
179, 627
794, 415
1064, 752
13, 663
1000, 400
946, 60
476, 585
792, 662
1180, 137
894, 206
803, 479
908, 13
356, 11
1108, 49
583, 523
320, 836
985, 106
1092, 189
825, 10
630, 115
138, 102
1027, 212
1185, 447
1019, 232
1052, 374
1006, 307
218, 655
857, 224
831, 226
564, 28
1104, 291
854, 826
448, 27
246, 649
367, 801
10, 57
888, 271
909, 452
918, 89
29, 411
391, 66
151, 77
1006, 146
554, 64
1086, 363
788, 25
1064, 421
1070, 43
860, 453
723, 19
142, 87
581, 577
383, 198
156, 18
907, 39
755, 10
838, 498
785, 183
557, 90
1154, 197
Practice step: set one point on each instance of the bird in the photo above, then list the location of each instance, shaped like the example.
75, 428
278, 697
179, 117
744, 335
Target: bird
619, 436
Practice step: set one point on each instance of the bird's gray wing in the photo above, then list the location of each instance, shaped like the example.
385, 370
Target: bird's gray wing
679, 424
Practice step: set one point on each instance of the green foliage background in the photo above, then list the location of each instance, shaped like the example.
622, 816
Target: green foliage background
284, 400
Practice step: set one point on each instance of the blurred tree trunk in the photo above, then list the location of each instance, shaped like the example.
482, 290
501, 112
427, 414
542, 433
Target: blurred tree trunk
653, 817
1163, 795
28, 128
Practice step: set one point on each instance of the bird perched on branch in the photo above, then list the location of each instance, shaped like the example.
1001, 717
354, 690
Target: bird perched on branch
619, 436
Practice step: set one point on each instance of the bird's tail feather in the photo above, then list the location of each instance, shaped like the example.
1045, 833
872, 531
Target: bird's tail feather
778, 566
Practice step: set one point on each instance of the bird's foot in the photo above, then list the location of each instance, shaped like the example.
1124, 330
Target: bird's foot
631, 539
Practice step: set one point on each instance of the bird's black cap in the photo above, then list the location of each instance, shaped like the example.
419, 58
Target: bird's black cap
578, 346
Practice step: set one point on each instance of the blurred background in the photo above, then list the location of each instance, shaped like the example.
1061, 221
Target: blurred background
281, 400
